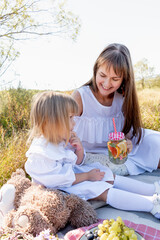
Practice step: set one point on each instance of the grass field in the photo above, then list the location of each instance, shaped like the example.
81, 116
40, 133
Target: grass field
149, 100
14, 124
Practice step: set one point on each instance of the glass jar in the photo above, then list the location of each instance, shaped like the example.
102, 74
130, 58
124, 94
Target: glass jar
117, 148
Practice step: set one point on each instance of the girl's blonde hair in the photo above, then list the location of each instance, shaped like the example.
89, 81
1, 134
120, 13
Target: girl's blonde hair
50, 113
118, 56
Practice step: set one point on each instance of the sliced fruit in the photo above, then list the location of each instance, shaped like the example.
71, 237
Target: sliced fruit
122, 146
114, 150
124, 154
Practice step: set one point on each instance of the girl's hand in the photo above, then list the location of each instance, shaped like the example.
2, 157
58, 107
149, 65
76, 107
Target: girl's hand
95, 175
75, 142
129, 145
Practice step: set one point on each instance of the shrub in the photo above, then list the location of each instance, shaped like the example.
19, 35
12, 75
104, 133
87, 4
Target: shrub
15, 110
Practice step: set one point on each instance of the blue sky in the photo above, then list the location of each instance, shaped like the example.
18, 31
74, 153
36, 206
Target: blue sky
63, 64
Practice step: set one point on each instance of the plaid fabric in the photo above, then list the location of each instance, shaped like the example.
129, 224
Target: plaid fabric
116, 136
148, 233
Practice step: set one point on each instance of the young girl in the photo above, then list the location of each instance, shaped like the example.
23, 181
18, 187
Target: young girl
112, 93
55, 160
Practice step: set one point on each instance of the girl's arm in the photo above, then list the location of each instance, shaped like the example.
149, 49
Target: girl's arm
49, 173
44, 172
77, 97
80, 156
79, 151
93, 175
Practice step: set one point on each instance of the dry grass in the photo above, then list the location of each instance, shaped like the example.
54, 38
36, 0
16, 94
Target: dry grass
12, 155
13, 136
150, 108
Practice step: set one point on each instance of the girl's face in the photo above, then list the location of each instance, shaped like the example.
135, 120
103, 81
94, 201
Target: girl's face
71, 125
107, 81
71, 122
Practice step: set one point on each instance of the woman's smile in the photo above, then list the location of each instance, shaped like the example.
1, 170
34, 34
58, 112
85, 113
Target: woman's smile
107, 80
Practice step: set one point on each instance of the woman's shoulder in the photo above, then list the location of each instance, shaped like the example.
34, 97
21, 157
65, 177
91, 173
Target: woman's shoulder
80, 91
78, 96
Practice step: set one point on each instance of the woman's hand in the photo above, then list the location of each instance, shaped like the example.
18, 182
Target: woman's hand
129, 145
95, 175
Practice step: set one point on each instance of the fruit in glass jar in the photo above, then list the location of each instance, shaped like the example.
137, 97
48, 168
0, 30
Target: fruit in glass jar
123, 146
114, 150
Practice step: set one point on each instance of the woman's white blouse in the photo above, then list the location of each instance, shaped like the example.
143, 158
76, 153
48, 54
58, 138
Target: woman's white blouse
95, 123
50, 165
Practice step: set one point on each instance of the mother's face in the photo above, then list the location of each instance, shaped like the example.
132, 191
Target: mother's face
107, 80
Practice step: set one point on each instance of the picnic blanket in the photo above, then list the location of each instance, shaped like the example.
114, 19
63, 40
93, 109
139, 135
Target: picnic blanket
148, 233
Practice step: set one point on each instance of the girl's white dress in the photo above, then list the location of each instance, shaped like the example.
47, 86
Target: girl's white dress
95, 124
54, 166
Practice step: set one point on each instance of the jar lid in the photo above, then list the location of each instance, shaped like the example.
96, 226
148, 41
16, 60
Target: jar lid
116, 136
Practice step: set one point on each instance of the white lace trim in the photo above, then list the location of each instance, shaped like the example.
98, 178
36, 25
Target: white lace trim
96, 130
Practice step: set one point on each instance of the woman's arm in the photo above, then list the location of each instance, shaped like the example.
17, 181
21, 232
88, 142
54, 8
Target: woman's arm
77, 97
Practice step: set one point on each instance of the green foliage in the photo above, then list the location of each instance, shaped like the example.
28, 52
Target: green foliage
14, 111
14, 125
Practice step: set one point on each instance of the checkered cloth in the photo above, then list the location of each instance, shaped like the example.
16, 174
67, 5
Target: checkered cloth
148, 233
116, 136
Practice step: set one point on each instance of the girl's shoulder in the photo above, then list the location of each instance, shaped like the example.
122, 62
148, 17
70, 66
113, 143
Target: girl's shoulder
42, 147
54, 152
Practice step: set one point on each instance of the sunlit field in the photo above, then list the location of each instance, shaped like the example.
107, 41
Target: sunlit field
149, 100
14, 124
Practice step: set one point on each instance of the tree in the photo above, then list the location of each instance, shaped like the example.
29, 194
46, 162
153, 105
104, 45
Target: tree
27, 19
143, 71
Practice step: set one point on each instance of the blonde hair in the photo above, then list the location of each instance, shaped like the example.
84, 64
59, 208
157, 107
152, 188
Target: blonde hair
50, 113
118, 56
